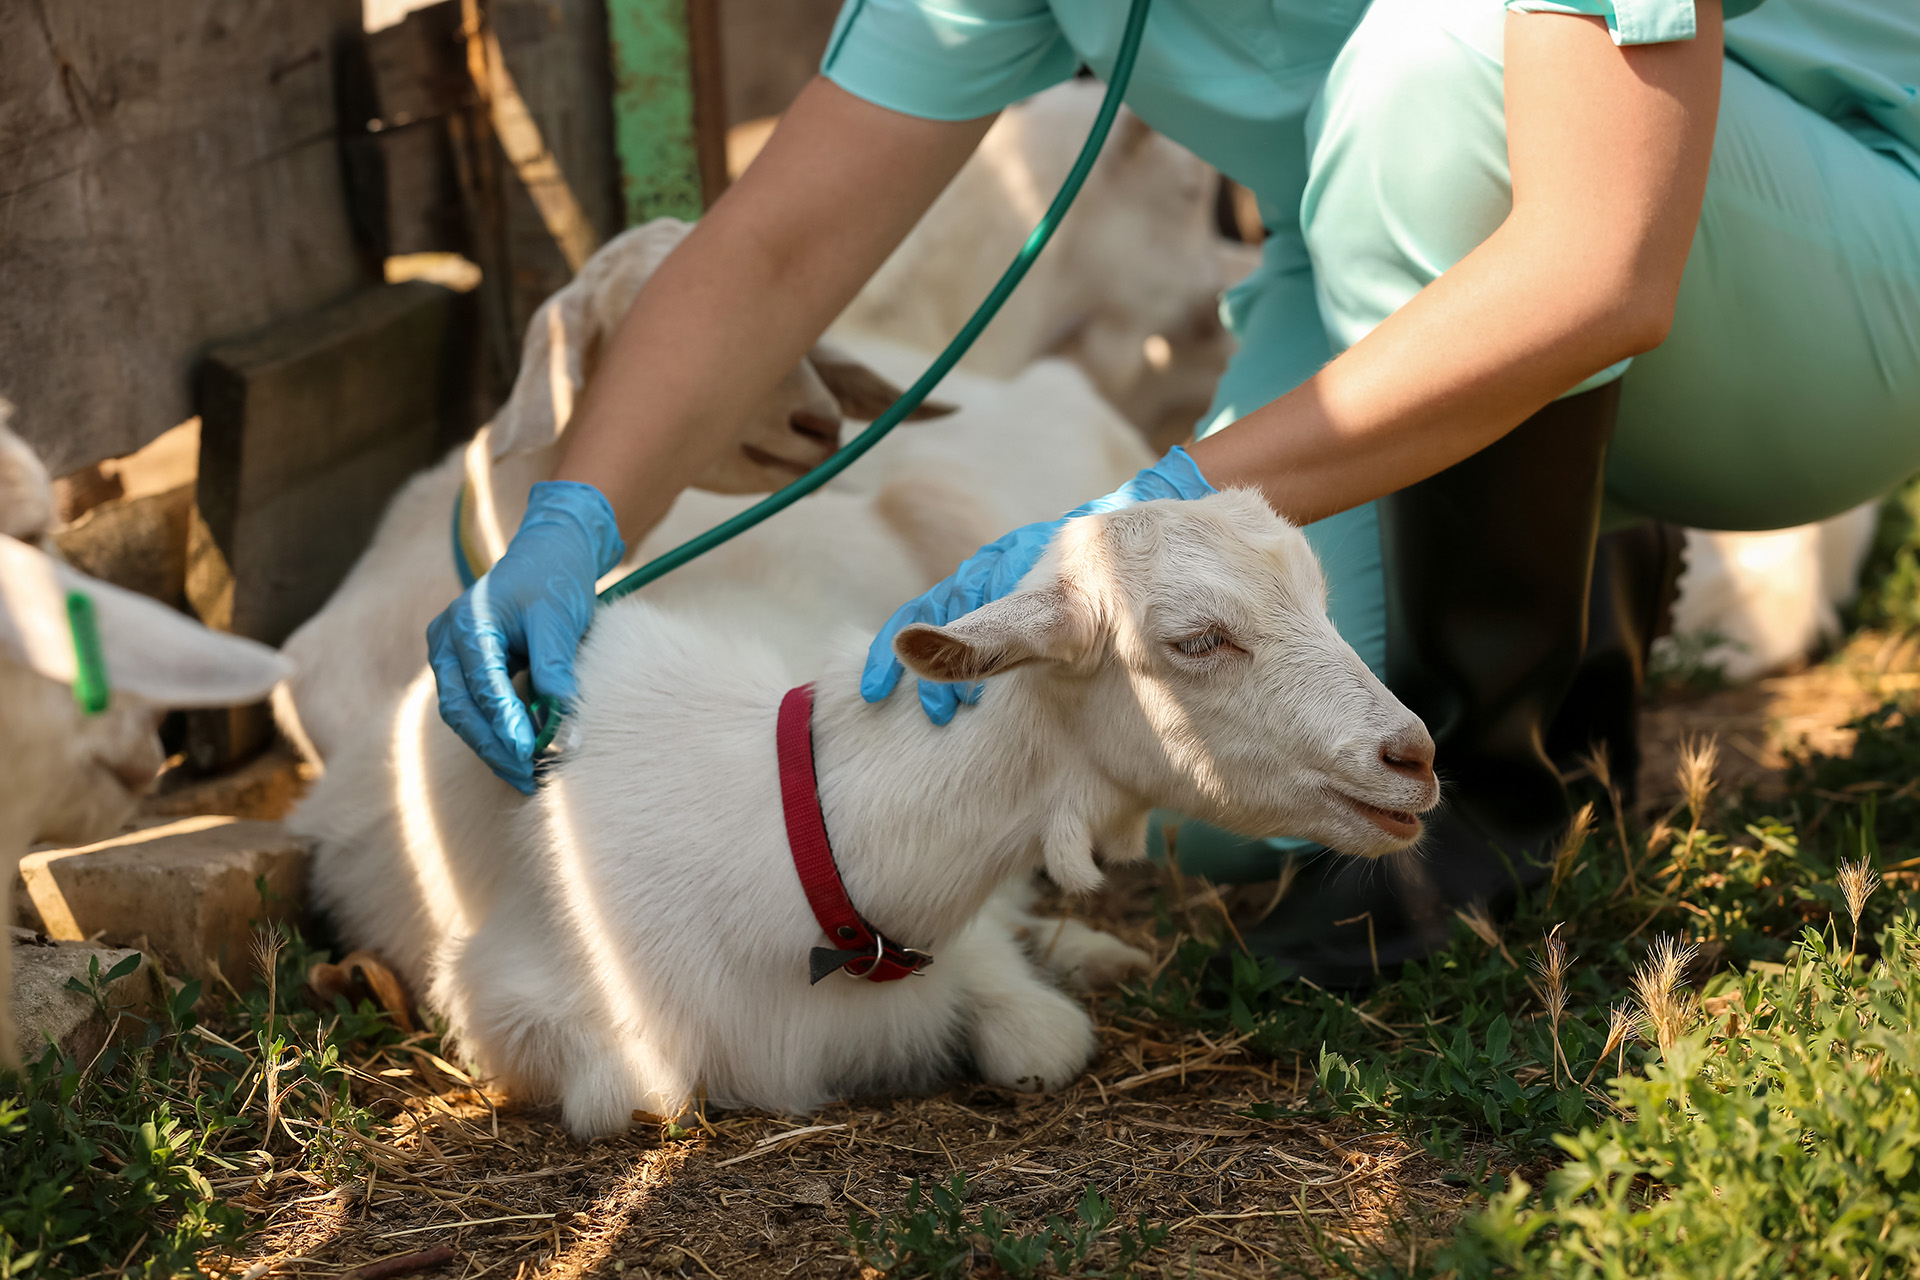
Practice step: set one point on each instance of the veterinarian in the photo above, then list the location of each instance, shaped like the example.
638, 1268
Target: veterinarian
1532, 269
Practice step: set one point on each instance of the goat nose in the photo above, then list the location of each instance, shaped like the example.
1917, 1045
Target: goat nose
1409, 752
814, 426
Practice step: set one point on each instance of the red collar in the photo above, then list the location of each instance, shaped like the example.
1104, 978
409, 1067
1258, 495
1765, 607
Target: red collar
859, 948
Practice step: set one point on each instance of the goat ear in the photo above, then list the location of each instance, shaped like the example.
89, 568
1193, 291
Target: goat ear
150, 651
552, 374
1027, 626
863, 394
566, 335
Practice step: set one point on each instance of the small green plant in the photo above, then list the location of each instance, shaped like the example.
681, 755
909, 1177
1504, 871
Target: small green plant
119, 1164
1690, 661
934, 1236
1890, 582
1782, 1143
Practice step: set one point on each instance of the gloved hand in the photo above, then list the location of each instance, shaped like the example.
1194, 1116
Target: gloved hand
996, 569
532, 607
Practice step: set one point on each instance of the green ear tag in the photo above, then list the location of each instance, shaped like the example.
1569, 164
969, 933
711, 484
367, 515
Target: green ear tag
90, 665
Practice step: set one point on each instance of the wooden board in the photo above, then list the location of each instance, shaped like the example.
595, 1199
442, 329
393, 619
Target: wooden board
169, 175
771, 49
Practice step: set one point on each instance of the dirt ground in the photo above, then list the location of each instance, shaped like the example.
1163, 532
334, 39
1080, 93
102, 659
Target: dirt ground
1159, 1125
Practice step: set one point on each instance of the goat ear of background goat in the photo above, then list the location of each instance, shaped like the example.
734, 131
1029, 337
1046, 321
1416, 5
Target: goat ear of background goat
568, 329
1027, 626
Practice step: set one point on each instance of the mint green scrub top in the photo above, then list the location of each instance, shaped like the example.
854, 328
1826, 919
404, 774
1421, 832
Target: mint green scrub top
1374, 137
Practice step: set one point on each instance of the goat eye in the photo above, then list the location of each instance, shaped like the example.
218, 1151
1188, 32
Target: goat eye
1198, 646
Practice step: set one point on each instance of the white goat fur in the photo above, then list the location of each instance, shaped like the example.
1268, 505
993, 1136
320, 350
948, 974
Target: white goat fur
65, 776
636, 931
1129, 288
1772, 597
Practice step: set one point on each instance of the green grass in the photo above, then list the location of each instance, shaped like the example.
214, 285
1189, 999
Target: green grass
1890, 596
126, 1164
1775, 1138
935, 1237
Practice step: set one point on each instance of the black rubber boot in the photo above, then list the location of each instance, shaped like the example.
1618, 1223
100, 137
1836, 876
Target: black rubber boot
1488, 569
1636, 572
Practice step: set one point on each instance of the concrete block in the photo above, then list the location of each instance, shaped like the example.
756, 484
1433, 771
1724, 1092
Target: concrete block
44, 1008
184, 892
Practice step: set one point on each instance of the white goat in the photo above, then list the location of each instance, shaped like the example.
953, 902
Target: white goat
362, 648
1756, 602
1129, 289
636, 931
65, 776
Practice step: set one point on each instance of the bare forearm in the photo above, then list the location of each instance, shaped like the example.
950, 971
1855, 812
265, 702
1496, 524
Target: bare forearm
1609, 150
749, 291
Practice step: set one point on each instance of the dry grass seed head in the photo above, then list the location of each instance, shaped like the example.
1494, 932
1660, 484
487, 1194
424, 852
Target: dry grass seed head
1476, 918
1699, 759
1577, 832
1551, 964
1665, 1009
1599, 763
1857, 883
1620, 1022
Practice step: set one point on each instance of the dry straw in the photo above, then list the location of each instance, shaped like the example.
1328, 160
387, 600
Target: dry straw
1666, 1009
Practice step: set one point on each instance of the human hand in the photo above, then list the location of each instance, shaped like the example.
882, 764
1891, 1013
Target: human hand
531, 608
996, 569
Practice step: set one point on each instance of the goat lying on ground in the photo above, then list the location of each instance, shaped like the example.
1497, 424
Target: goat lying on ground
65, 776
637, 931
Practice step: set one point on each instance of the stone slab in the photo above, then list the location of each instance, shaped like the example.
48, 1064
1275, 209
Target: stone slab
184, 892
45, 1009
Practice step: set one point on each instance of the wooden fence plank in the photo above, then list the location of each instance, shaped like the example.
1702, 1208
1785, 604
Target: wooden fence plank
169, 175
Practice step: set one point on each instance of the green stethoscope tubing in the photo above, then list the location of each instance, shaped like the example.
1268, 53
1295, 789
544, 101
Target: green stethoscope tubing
546, 711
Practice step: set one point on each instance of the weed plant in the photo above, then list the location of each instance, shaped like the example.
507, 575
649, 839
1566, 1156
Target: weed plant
125, 1164
935, 1237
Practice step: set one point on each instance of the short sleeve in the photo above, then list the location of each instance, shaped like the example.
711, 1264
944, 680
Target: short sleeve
1635, 21
947, 59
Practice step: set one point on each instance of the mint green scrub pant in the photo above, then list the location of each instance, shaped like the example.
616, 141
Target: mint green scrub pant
1787, 391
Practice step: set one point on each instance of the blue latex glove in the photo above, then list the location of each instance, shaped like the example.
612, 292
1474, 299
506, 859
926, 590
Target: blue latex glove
531, 608
996, 569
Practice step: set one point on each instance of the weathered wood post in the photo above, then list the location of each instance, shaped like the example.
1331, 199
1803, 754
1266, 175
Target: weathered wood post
669, 111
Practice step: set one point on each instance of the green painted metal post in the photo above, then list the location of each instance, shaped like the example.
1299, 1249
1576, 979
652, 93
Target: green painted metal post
663, 126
